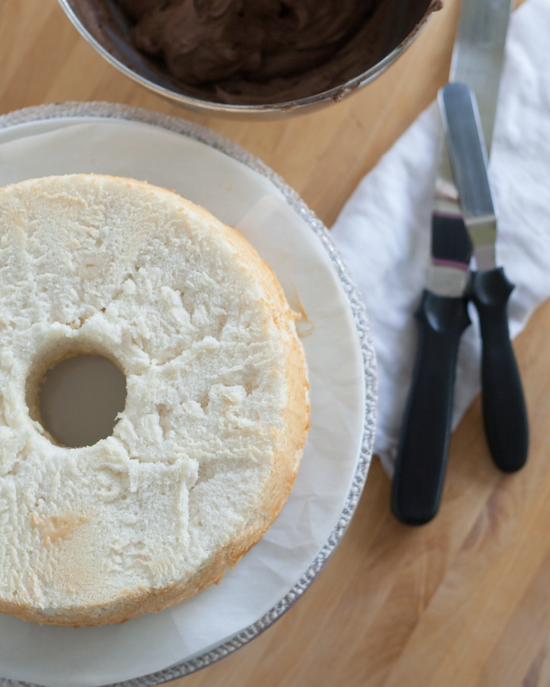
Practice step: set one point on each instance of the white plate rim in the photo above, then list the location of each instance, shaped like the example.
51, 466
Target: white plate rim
104, 110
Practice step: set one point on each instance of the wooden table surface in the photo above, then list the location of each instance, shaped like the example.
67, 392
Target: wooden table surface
463, 601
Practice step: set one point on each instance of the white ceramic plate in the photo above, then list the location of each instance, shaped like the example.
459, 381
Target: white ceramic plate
240, 190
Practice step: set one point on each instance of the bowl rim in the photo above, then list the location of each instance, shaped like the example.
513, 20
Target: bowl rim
334, 94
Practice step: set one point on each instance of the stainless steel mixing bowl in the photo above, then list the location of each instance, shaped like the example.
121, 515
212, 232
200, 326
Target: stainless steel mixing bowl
112, 41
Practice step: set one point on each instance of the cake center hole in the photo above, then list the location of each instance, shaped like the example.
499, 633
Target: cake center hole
80, 399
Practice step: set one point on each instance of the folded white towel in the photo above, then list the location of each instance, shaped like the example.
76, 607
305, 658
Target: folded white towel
384, 229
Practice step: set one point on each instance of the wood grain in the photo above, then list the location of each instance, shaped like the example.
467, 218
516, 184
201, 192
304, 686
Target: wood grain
461, 602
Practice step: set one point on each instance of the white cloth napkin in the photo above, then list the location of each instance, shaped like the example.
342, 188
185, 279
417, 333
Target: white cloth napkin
383, 231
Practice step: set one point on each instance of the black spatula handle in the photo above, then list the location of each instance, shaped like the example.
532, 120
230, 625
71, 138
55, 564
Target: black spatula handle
504, 411
425, 432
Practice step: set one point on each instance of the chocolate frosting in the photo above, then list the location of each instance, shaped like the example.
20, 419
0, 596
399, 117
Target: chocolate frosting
266, 51
207, 41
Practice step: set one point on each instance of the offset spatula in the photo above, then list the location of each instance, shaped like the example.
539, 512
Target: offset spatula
442, 316
504, 412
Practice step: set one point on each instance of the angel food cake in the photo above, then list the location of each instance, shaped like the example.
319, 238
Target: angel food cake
206, 450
